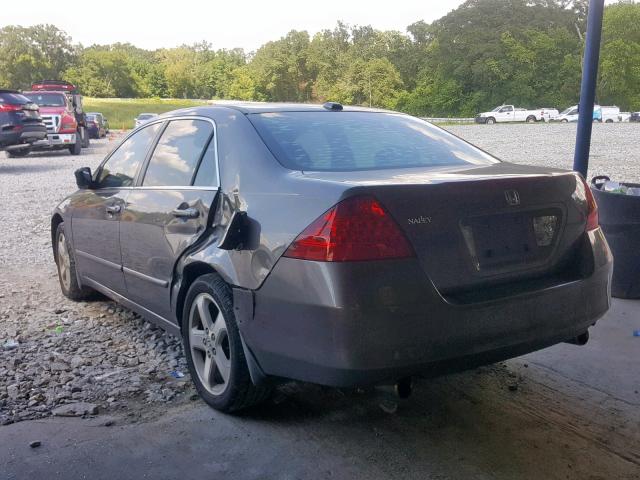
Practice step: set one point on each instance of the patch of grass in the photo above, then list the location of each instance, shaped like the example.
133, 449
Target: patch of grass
121, 111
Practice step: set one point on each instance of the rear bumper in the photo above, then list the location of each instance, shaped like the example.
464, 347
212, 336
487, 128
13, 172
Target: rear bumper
55, 140
348, 324
27, 134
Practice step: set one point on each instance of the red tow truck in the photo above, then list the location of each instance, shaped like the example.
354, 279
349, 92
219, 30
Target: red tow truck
61, 110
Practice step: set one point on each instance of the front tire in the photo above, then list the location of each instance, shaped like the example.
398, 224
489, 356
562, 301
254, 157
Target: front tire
213, 348
76, 148
491, 121
67, 273
84, 135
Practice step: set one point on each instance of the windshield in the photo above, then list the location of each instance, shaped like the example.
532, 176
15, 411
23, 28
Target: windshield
566, 112
48, 99
91, 118
145, 116
497, 109
348, 141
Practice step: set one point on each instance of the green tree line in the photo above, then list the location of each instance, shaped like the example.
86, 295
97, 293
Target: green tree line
482, 54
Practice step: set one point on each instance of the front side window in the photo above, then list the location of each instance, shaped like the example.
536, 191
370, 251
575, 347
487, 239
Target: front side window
348, 141
120, 170
176, 157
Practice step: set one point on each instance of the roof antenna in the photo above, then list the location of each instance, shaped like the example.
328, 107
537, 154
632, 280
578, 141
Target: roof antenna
333, 106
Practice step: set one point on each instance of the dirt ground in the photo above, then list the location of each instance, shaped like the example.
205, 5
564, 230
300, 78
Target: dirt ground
566, 412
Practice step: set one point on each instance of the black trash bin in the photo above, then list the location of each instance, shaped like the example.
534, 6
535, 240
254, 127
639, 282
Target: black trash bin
620, 221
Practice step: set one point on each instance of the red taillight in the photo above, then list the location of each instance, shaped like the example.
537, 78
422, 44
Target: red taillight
592, 212
6, 107
357, 228
584, 195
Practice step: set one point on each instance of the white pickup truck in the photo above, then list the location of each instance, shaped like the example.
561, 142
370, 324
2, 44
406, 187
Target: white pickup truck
509, 113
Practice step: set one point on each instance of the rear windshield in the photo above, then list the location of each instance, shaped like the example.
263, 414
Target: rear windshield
348, 141
48, 99
13, 98
145, 116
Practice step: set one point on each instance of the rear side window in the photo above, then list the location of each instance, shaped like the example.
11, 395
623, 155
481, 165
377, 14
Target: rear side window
207, 175
176, 157
348, 141
120, 170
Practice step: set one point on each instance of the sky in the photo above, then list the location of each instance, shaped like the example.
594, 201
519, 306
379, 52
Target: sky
225, 24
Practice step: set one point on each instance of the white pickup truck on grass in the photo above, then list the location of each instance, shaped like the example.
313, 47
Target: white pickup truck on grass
509, 113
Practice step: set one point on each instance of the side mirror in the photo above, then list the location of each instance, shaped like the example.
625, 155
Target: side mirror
84, 179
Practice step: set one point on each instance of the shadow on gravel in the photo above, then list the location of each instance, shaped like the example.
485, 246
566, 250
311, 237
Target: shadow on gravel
29, 168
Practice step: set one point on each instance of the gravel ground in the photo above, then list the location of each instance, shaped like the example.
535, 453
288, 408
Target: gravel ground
615, 148
57, 356
55, 353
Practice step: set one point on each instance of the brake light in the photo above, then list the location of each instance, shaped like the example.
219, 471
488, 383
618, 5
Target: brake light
357, 228
6, 107
593, 221
585, 195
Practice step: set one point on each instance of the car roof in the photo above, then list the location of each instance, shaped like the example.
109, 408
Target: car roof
263, 107
266, 107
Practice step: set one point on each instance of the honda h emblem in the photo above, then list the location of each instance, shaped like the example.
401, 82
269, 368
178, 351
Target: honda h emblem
512, 197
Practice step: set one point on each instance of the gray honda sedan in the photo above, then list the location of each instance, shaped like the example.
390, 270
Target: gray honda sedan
340, 246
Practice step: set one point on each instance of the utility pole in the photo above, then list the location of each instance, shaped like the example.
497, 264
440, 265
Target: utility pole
588, 86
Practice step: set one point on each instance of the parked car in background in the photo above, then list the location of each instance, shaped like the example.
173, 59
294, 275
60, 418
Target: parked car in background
20, 123
600, 114
625, 116
607, 114
335, 245
635, 117
95, 125
509, 113
62, 112
571, 114
144, 118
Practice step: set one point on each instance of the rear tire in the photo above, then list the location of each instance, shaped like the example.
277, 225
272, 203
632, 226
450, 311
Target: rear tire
213, 348
23, 152
531, 119
66, 266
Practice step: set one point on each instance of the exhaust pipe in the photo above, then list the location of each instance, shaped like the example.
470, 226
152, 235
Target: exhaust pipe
581, 339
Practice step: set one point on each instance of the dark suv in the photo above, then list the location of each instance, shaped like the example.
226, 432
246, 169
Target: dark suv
340, 246
20, 123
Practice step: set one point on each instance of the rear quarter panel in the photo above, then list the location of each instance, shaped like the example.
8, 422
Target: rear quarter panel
278, 203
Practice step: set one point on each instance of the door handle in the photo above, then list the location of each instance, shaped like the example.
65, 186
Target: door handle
112, 209
186, 212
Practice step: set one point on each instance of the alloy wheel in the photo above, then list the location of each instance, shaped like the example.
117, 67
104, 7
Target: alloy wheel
64, 262
209, 344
